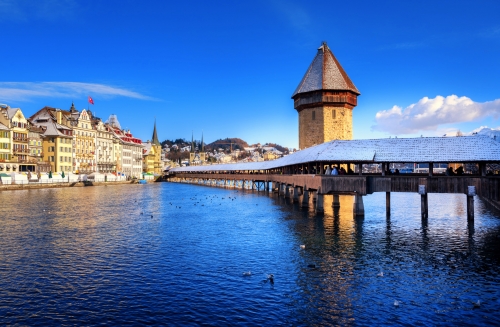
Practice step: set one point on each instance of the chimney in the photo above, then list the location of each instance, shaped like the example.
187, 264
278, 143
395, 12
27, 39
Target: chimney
59, 116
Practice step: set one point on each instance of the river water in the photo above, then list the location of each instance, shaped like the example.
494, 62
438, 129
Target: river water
180, 255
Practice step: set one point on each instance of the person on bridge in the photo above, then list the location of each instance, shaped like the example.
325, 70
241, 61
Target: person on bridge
328, 170
335, 171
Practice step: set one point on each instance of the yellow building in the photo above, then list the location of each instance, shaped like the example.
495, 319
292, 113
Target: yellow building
5, 147
156, 153
57, 144
13, 119
152, 155
324, 101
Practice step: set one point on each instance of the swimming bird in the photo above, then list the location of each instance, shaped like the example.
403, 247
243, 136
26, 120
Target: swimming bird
396, 303
380, 274
302, 246
270, 277
477, 304
247, 273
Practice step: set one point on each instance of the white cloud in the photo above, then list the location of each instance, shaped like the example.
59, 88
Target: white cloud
26, 91
27, 10
428, 114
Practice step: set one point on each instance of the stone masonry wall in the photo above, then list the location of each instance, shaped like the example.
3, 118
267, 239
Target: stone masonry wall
326, 125
338, 126
310, 131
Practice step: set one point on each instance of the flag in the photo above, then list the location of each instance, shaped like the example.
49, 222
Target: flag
90, 100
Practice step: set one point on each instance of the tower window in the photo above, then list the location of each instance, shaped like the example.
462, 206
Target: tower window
314, 115
334, 114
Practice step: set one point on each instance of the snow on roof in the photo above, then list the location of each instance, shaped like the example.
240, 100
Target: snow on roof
325, 73
393, 150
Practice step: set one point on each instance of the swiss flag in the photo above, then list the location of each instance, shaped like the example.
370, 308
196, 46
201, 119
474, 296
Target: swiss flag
90, 100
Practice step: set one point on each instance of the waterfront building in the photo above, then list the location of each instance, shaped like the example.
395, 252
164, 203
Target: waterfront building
35, 143
128, 148
5, 148
14, 120
84, 137
35, 146
104, 147
324, 100
148, 163
156, 146
57, 139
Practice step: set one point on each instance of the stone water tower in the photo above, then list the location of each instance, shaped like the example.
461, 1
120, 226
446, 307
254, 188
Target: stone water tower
324, 100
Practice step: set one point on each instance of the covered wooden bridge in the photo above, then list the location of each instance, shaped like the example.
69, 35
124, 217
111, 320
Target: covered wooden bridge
303, 172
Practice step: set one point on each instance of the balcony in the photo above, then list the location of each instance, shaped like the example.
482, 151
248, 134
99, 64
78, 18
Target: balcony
20, 139
21, 151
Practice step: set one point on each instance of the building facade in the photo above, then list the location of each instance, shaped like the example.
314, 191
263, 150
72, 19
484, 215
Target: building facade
324, 100
104, 148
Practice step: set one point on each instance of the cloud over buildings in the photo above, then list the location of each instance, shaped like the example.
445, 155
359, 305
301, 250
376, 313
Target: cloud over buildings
27, 91
428, 114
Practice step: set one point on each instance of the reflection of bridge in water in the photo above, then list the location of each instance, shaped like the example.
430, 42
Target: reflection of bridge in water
289, 175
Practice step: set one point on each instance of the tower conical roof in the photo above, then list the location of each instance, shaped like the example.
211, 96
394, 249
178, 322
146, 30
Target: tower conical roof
325, 73
155, 137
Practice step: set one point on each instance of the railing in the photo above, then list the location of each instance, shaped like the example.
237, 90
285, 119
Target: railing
20, 139
26, 151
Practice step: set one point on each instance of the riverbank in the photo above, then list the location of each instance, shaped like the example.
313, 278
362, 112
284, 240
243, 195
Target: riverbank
13, 187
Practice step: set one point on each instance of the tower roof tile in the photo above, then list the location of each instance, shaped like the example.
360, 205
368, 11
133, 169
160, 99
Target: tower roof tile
325, 73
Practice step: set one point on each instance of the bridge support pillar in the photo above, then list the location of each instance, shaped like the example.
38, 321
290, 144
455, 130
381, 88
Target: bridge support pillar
388, 204
319, 202
358, 207
287, 191
471, 192
424, 204
305, 198
296, 194
336, 201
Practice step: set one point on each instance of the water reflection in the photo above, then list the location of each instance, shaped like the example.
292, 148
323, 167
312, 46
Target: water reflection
130, 254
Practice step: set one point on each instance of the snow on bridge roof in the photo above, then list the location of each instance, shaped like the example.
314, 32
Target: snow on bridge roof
393, 150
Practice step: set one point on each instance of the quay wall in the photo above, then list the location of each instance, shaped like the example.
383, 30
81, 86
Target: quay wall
13, 187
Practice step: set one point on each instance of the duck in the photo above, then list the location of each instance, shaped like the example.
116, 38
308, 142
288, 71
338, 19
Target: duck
477, 304
247, 273
302, 246
380, 274
396, 303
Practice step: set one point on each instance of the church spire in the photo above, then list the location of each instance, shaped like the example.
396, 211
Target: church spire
72, 109
202, 145
155, 136
192, 142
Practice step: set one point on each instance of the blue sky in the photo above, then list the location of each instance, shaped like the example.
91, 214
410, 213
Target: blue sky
229, 68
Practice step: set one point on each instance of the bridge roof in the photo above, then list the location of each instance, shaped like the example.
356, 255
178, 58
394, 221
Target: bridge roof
478, 148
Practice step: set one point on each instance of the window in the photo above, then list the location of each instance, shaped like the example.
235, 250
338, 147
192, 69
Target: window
314, 115
334, 114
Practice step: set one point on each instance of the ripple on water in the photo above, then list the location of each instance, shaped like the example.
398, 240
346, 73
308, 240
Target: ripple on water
175, 254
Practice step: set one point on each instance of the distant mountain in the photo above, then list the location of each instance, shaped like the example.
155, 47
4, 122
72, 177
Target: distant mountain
227, 144
233, 143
